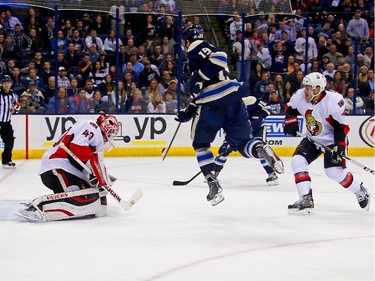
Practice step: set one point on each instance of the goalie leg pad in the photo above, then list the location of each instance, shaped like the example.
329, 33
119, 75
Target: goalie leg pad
65, 205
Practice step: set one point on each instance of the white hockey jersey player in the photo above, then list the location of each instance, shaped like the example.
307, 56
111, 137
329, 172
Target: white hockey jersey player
326, 124
65, 173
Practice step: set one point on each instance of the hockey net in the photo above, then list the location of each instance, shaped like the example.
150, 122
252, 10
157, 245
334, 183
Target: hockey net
187, 7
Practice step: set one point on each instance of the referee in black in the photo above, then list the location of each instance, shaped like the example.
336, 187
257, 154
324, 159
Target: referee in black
8, 105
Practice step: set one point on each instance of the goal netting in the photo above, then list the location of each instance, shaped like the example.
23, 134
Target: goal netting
187, 7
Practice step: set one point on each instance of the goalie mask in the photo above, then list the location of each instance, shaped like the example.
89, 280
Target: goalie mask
109, 126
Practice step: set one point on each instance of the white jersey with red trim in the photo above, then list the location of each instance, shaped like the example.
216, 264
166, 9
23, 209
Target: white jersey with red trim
84, 139
325, 118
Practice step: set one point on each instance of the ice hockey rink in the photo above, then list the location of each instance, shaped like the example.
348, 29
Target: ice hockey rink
172, 233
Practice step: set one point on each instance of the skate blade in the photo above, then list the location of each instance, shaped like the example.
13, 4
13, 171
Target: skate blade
273, 183
217, 199
304, 212
368, 202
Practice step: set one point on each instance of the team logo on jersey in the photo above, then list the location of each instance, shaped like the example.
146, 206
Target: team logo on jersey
312, 125
367, 131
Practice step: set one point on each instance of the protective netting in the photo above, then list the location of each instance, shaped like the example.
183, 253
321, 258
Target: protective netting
187, 7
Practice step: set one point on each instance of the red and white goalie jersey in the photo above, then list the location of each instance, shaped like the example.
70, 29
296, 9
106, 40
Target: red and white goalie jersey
85, 140
325, 118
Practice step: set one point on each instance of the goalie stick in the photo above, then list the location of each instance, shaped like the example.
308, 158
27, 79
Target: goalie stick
126, 205
164, 152
328, 149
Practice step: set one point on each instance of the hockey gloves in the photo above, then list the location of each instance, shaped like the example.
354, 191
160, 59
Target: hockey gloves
291, 125
337, 153
196, 84
186, 114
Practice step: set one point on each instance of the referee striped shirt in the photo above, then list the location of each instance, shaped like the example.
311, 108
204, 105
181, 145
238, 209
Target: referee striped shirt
7, 101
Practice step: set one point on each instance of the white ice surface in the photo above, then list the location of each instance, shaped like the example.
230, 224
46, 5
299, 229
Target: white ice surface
174, 234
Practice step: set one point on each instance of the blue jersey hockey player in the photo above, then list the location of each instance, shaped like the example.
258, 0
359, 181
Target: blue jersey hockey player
217, 104
258, 110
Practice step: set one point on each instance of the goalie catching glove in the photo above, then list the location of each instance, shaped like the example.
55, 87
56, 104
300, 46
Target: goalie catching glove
291, 125
186, 114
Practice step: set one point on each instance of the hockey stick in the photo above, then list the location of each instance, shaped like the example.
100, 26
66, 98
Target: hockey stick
164, 152
188, 181
328, 149
126, 205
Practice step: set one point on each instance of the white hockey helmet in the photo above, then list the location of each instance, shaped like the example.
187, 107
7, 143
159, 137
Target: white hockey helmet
315, 79
109, 126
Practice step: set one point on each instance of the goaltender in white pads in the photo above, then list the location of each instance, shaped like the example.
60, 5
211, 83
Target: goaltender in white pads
63, 170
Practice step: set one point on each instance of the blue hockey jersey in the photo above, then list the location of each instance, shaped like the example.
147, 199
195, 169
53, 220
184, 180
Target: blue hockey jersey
210, 66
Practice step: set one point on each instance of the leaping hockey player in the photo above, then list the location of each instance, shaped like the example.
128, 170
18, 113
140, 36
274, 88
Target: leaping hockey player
74, 195
258, 110
326, 124
217, 104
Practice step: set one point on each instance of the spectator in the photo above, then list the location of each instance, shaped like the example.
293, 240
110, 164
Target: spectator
93, 54
255, 76
146, 76
47, 34
106, 85
263, 56
35, 98
50, 90
130, 48
62, 42
60, 104
81, 103
358, 28
46, 72
322, 48
17, 83
11, 22
62, 79
261, 88
156, 105
109, 101
110, 43
279, 86
370, 104
349, 103
128, 80
166, 47
72, 57
67, 29
94, 39
97, 74
135, 103
296, 81
157, 56
137, 67
33, 77
368, 57
101, 26
22, 41
122, 94
275, 103
25, 106
96, 103
279, 57
338, 84
242, 63
84, 68
89, 88
73, 89
312, 51
287, 92
170, 103
333, 54
77, 45
112, 16
329, 73
36, 41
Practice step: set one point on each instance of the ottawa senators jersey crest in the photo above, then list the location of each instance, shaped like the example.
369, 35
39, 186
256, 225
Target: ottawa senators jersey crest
312, 125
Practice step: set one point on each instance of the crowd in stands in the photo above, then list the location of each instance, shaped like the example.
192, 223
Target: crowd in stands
84, 55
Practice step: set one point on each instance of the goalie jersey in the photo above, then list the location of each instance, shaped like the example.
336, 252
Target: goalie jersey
84, 139
209, 66
325, 119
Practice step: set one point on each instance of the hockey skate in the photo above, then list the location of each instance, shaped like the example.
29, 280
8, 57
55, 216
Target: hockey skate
272, 179
9, 165
303, 206
363, 198
267, 153
215, 195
